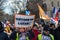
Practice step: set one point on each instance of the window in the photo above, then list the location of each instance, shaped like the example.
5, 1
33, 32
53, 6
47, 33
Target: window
58, 3
52, 4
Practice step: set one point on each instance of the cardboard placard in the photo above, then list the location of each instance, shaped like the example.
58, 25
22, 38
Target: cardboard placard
24, 20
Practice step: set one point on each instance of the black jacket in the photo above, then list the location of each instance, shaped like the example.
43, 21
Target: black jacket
30, 35
57, 33
3, 35
52, 31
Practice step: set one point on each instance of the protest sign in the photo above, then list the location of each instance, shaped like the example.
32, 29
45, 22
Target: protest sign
24, 20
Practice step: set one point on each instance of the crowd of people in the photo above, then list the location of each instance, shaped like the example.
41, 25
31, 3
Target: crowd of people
37, 32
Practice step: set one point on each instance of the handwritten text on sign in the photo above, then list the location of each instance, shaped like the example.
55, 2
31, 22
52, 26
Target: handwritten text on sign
24, 20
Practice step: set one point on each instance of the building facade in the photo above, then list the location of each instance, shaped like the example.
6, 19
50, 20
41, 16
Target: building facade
50, 4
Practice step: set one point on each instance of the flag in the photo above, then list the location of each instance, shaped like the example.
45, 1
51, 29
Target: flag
42, 13
54, 20
55, 12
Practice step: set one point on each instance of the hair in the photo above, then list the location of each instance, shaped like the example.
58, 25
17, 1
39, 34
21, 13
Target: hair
46, 27
52, 25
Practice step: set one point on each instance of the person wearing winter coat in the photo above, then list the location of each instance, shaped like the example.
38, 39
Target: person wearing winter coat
57, 33
3, 35
22, 34
45, 35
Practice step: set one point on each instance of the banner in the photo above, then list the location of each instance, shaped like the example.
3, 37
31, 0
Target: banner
24, 20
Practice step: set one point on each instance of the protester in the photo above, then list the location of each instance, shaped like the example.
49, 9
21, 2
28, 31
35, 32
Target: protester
40, 28
57, 32
31, 34
8, 30
35, 30
52, 28
21, 34
45, 35
3, 35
